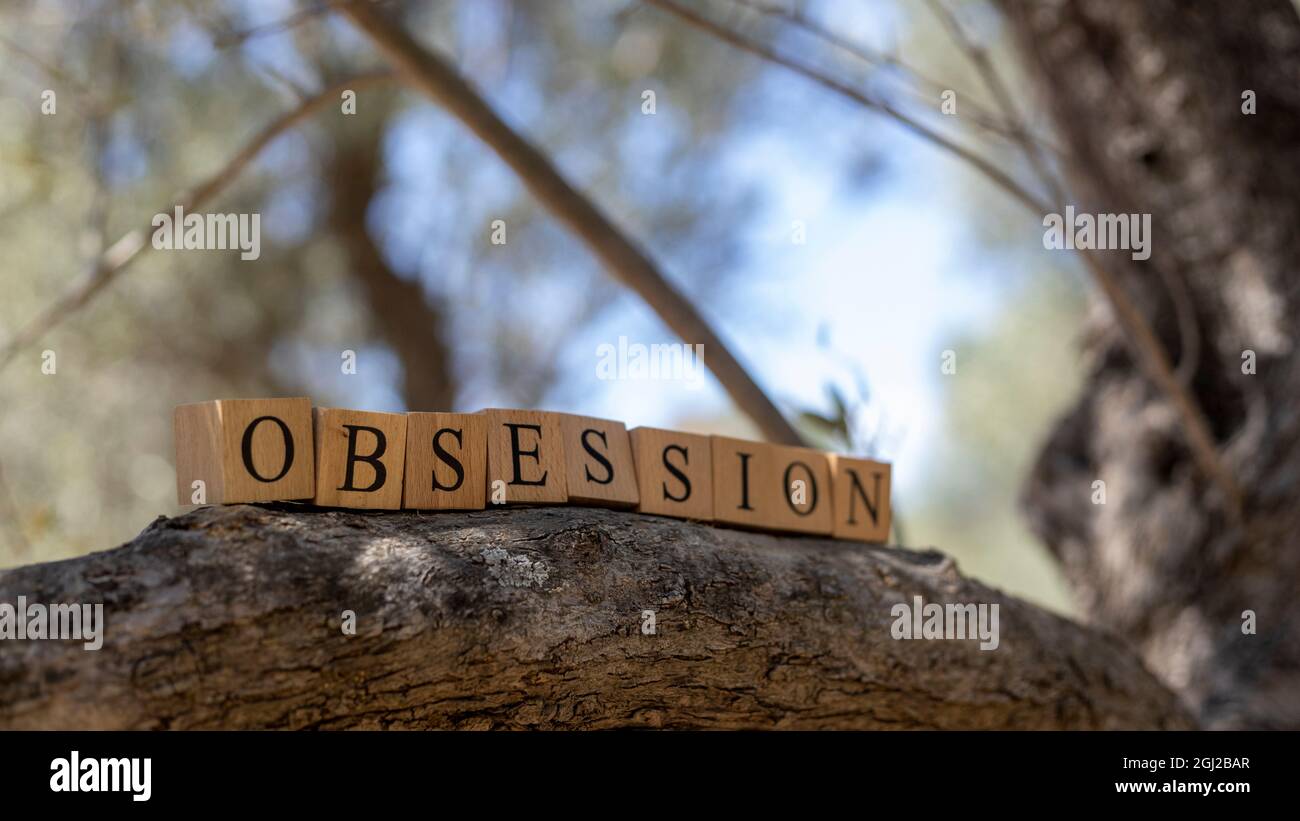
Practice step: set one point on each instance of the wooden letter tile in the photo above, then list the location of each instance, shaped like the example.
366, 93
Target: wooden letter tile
861, 498
674, 472
598, 461
244, 450
804, 477
360, 458
446, 461
526, 453
746, 484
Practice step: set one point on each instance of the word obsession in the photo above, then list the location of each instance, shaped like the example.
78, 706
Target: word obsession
261, 450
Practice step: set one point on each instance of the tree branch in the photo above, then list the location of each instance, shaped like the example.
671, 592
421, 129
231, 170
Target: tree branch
414, 327
1141, 339
1189, 332
114, 261
439, 80
971, 111
1001, 97
230, 617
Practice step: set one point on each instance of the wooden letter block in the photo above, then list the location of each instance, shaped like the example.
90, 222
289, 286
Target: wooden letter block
674, 472
526, 455
804, 477
598, 461
244, 450
746, 484
861, 498
446, 461
360, 458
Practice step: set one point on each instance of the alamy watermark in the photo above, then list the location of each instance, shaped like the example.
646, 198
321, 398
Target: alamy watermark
208, 232
946, 621
1101, 232
77, 774
672, 361
55, 622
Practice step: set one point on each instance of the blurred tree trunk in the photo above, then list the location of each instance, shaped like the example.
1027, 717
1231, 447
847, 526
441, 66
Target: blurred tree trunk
1148, 100
409, 321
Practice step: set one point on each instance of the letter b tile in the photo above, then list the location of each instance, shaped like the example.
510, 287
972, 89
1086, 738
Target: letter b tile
360, 458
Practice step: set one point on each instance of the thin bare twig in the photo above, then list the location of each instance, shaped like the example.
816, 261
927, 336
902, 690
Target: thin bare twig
437, 79
973, 112
9, 513
52, 72
995, 174
231, 39
291, 87
1145, 345
110, 264
1188, 327
1001, 96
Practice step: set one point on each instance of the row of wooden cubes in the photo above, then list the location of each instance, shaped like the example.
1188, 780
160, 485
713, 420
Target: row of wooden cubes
262, 450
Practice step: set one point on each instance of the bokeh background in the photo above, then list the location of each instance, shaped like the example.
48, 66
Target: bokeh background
838, 253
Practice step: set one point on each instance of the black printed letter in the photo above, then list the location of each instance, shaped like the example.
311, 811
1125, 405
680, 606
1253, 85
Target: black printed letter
609, 469
515, 452
381, 445
447, 458
248, 449
686, 483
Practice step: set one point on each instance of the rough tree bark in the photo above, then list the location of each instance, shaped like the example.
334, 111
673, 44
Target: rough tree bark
230, 618
1147, 98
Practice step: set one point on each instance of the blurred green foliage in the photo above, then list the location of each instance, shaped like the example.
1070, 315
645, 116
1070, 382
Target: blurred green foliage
154, 97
